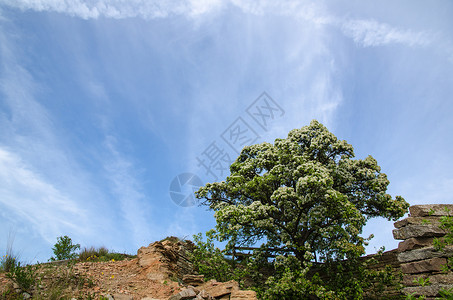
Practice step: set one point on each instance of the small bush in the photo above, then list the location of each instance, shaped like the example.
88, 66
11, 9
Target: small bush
9, 261
64, 249
25, 277
100, 254
88, 254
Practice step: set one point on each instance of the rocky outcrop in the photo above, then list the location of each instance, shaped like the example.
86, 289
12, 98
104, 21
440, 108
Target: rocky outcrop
193, 280
418, 257
166, 260
213, 290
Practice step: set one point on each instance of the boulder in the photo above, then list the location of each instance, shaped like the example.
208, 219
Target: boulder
434, 264
425, 253
411, 231
431, 210
188, 293
219, 289
429, 291
243, 295
194, 280
417, 221
408, 280
203, 295
415, 243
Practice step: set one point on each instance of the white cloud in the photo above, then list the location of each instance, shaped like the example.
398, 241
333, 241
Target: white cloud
366, 33
128, 191
29, 197
372, 33
117, 8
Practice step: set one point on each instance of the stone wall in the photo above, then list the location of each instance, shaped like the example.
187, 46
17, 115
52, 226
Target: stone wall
417, 256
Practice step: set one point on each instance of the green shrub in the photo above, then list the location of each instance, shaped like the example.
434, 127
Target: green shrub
209, 260
100, 254
9, 260
25, 276
64, 249
88, 254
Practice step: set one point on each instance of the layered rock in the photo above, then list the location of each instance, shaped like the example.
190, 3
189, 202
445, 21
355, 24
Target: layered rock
165, 260
213, 290
418, 257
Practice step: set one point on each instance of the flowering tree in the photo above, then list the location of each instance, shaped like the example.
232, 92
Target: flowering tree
305, 194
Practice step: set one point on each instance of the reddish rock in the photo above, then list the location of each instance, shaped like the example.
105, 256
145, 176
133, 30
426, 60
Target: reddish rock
414, 243
194, 280
219, 289
243, 295
429, 265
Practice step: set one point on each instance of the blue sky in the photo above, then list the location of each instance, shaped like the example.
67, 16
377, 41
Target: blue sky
104, 103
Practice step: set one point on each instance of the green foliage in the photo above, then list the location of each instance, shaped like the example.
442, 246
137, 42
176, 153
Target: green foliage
304, 194
413, 297
446, 293
306, 188
422, 281
351, 279
9, 261
441, 243
25, 276
211, 262
100, 254
64, 249
293, 284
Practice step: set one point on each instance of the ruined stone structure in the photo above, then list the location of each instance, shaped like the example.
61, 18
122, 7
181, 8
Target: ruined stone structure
417, 256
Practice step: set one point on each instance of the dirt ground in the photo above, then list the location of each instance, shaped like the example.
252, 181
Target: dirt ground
87, 280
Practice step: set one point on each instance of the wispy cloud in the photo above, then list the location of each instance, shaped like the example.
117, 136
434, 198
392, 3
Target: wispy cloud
119, 9
42, 183
30, 155
370, 33
29, 197
364, 32
133, 203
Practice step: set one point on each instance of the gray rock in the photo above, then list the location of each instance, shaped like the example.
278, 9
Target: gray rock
412, 231
414, 243
417, 221
430, 210
434, 264
424, 253
429, 291
408, 280
188, 293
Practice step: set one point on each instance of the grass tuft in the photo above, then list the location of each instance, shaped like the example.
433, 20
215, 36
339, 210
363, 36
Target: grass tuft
100, 254
10, 260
